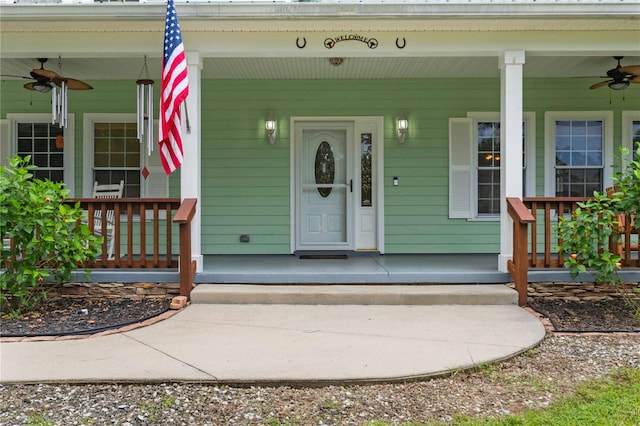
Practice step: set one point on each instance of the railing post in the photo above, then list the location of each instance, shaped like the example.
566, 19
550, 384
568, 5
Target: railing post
185, 259
521, 276
183, 216
518, 266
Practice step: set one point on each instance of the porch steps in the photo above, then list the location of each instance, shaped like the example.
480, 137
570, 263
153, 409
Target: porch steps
355, 294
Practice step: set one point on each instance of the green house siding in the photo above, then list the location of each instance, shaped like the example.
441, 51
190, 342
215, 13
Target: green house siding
250, 193
246, 181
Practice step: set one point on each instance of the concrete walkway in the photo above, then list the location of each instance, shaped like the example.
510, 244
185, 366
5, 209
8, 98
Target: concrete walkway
284, 344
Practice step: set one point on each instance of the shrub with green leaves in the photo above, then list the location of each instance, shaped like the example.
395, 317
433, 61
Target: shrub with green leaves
586, 235
585, 239
44, 239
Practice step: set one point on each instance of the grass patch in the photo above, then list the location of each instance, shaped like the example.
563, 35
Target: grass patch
154, 409
39, 420
614, 400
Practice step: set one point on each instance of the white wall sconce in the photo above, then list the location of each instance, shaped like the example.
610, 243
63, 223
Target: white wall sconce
270, 126
402, 127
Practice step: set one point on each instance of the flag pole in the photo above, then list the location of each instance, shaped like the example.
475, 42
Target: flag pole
186, 116
174, 91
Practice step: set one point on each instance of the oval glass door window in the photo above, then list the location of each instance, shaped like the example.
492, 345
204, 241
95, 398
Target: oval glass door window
325, 169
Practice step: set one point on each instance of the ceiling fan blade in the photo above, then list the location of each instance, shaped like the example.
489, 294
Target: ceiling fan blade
17, 76
42, 73
635, 79
72, 83
602, 83
631, 69
29, 86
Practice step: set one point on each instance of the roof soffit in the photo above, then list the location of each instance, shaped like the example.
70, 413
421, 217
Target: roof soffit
627, 23
240, 17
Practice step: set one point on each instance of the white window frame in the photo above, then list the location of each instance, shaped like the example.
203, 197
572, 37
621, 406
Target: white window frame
69, 167
628, 117
550, 119
529, 119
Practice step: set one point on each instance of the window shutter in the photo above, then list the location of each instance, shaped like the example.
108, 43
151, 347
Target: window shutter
460, 194
157, 183
5, 143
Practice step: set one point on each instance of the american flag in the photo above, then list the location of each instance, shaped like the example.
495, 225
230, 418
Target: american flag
173, 91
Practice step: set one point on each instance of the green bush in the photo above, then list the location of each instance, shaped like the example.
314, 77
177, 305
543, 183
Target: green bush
586, 235
44, 238
585, 239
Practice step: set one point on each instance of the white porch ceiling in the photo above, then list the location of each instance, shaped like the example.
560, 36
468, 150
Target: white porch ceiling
243, 68
248, 40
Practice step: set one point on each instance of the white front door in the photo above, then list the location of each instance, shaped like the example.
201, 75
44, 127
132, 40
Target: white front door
325, 187
334, 185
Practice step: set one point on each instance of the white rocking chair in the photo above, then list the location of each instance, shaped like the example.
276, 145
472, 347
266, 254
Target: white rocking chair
106, 191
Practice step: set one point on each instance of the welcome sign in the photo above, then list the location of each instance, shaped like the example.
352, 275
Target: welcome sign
331, 42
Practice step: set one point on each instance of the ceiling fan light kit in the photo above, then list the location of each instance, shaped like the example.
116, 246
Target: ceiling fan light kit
40, 87
618, 85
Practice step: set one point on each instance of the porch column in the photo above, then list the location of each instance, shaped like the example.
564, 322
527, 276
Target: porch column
190, 175
511, 145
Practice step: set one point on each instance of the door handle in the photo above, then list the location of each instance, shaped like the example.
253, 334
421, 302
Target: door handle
351, 185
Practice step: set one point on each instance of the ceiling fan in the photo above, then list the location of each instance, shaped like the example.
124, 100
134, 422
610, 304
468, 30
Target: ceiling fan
43, 79
620, 77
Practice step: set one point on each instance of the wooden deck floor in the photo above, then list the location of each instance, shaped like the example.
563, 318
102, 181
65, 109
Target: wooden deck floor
371, 269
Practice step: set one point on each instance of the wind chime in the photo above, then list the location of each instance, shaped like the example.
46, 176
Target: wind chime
145, 108
59, 108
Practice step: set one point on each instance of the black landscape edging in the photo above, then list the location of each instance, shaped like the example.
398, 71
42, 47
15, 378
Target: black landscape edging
88, 331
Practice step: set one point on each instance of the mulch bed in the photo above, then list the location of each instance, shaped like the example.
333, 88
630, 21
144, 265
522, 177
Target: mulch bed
81, 316
606, 315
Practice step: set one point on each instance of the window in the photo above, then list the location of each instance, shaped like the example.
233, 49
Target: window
488, 167
579, 146
49, 146
631, 131
366, 172
114, 153
578, 150
475, 164
44, 143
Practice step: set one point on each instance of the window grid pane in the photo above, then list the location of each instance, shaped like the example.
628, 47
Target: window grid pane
116, 156
579, 157
39, 140
578, 182
489, 191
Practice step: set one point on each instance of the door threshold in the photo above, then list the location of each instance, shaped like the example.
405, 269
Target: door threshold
323, 256
334, 254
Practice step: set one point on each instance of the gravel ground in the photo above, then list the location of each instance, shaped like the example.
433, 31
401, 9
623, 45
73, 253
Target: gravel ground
531, 380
